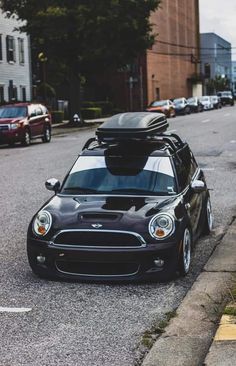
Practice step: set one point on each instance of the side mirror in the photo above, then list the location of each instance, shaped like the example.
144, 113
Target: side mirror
198, 186
53, 184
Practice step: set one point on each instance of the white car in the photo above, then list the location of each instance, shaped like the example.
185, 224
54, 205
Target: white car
207, 102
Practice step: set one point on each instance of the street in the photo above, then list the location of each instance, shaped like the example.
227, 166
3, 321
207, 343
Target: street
93, 324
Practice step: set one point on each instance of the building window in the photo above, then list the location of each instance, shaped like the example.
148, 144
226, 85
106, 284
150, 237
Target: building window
0, 47
21, 50
11, 54
23, 93
12, 93
1, 94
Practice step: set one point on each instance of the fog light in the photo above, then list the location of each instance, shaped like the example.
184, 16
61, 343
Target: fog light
159, 262
41, 259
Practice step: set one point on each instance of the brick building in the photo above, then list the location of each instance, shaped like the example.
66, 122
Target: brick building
170, 69
172, 63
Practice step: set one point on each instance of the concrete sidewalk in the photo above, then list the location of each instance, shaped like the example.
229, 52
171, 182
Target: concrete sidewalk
187, 340
65, 127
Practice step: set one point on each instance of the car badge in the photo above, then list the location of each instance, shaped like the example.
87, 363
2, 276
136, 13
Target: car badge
96, 226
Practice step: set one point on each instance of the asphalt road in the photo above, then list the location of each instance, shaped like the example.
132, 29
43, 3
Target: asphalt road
93, 324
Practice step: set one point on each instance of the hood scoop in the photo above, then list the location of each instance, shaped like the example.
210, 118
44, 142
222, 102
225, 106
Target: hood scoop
94, 217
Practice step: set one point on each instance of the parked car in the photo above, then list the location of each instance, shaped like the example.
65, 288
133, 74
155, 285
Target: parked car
23, 122
131, 207
182, 106
207, 102
162, 106
195, 104
226, 97
216, 101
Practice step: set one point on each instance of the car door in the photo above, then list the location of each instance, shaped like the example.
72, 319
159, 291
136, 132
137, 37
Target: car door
36, 120
187, 172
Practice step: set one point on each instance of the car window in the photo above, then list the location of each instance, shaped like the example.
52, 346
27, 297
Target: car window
44, 109
185, 165
39, 111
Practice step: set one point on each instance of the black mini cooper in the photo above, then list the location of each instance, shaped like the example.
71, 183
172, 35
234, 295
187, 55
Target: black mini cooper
130, 208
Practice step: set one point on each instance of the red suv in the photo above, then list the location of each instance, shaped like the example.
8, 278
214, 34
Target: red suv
22, 122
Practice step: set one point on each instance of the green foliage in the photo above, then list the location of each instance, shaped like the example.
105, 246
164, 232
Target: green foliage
82, 37
106, 106
217, 84
46, 89
57, 116
91, 113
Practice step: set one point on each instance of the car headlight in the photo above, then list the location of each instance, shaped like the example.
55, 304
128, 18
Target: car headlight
42, 223
161, 226
14, 126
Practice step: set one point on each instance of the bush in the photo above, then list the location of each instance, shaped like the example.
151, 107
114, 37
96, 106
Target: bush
88, 105
91, 113
105, 106
117, 110
57, 116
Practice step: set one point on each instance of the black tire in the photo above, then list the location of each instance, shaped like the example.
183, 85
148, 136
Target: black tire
185, 253
26, 137
46, 134
208, 218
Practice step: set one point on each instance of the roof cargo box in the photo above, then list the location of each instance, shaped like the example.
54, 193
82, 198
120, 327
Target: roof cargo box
132, 125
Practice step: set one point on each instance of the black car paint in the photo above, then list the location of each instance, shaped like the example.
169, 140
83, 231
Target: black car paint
133, 215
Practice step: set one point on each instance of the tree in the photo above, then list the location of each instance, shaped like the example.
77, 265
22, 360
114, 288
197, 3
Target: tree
83, 35
218, 84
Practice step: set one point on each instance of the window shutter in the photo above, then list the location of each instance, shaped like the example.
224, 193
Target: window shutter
8, 45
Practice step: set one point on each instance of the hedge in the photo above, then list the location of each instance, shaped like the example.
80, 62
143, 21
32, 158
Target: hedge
91, 113
57, 116
106, 106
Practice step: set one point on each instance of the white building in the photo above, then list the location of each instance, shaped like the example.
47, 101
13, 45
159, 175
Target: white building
15, 63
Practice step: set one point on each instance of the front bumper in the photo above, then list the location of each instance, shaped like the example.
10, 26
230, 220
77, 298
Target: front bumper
99, 264
10, 135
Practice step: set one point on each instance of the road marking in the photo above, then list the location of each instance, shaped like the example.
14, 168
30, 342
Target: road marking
227, 329
14, 310
227, 114
233, 141
206, 120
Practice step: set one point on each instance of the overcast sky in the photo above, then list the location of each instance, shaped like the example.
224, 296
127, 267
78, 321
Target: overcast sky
219, 16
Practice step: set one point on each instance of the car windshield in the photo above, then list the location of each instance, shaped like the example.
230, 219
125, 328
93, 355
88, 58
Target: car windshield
139, 175
226, 94
13, 112
205, 99
160, 103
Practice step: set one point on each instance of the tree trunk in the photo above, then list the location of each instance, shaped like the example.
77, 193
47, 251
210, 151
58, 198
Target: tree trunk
74, 98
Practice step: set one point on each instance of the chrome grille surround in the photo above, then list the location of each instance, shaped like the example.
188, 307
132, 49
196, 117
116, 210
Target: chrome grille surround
141, 243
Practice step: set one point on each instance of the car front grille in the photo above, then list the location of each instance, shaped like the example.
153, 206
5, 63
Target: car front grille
4, 127
99, 239
97, 269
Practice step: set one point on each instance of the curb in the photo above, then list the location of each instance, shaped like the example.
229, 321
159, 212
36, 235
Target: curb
189, 335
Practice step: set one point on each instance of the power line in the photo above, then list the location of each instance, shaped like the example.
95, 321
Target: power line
194, 47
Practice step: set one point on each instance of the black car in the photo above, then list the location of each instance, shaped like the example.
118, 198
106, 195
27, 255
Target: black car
131, 207
226, 97
195, 104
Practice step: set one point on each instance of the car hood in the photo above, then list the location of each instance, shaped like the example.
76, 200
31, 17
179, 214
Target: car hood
111, 212
5, 121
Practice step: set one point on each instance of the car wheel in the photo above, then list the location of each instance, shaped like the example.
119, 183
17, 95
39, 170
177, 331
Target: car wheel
46, 134
208, 218
26, 138
185, 253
